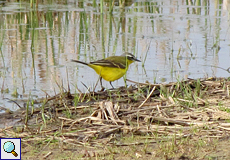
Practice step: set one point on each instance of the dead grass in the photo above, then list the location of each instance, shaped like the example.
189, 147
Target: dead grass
182, 120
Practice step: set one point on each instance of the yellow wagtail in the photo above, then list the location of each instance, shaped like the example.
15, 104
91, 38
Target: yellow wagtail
111, 68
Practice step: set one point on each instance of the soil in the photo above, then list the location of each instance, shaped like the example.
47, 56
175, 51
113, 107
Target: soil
182, 120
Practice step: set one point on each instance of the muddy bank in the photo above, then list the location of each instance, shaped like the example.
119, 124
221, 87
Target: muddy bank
174, 120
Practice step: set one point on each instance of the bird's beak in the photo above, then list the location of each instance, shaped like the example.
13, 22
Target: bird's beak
136, 60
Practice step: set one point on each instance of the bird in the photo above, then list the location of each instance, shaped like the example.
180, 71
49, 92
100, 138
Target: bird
111, 68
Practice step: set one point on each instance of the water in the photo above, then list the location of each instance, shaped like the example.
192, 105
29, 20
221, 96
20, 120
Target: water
173, 39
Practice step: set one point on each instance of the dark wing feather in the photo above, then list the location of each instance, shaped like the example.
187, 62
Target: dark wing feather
114, 62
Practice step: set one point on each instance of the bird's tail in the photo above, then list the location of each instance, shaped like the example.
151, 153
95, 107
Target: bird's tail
79, 62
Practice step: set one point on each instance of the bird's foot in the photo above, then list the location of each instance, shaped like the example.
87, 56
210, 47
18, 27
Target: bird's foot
102, 89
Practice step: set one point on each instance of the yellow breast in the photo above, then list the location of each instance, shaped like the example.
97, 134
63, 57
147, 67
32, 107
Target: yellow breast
108, 73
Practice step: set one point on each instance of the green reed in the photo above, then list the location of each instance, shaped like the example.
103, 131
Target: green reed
1, 43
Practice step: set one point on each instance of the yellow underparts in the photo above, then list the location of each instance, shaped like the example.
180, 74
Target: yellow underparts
109, 73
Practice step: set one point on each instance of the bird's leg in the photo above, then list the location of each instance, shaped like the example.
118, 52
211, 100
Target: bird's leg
102, 88
111, 84
101, 82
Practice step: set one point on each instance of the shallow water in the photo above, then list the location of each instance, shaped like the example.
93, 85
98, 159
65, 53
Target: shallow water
173, 39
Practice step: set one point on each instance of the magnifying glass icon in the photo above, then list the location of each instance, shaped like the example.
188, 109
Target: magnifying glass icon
9, 147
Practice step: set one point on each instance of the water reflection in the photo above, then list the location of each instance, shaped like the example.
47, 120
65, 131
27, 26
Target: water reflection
121, 3
174, 39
